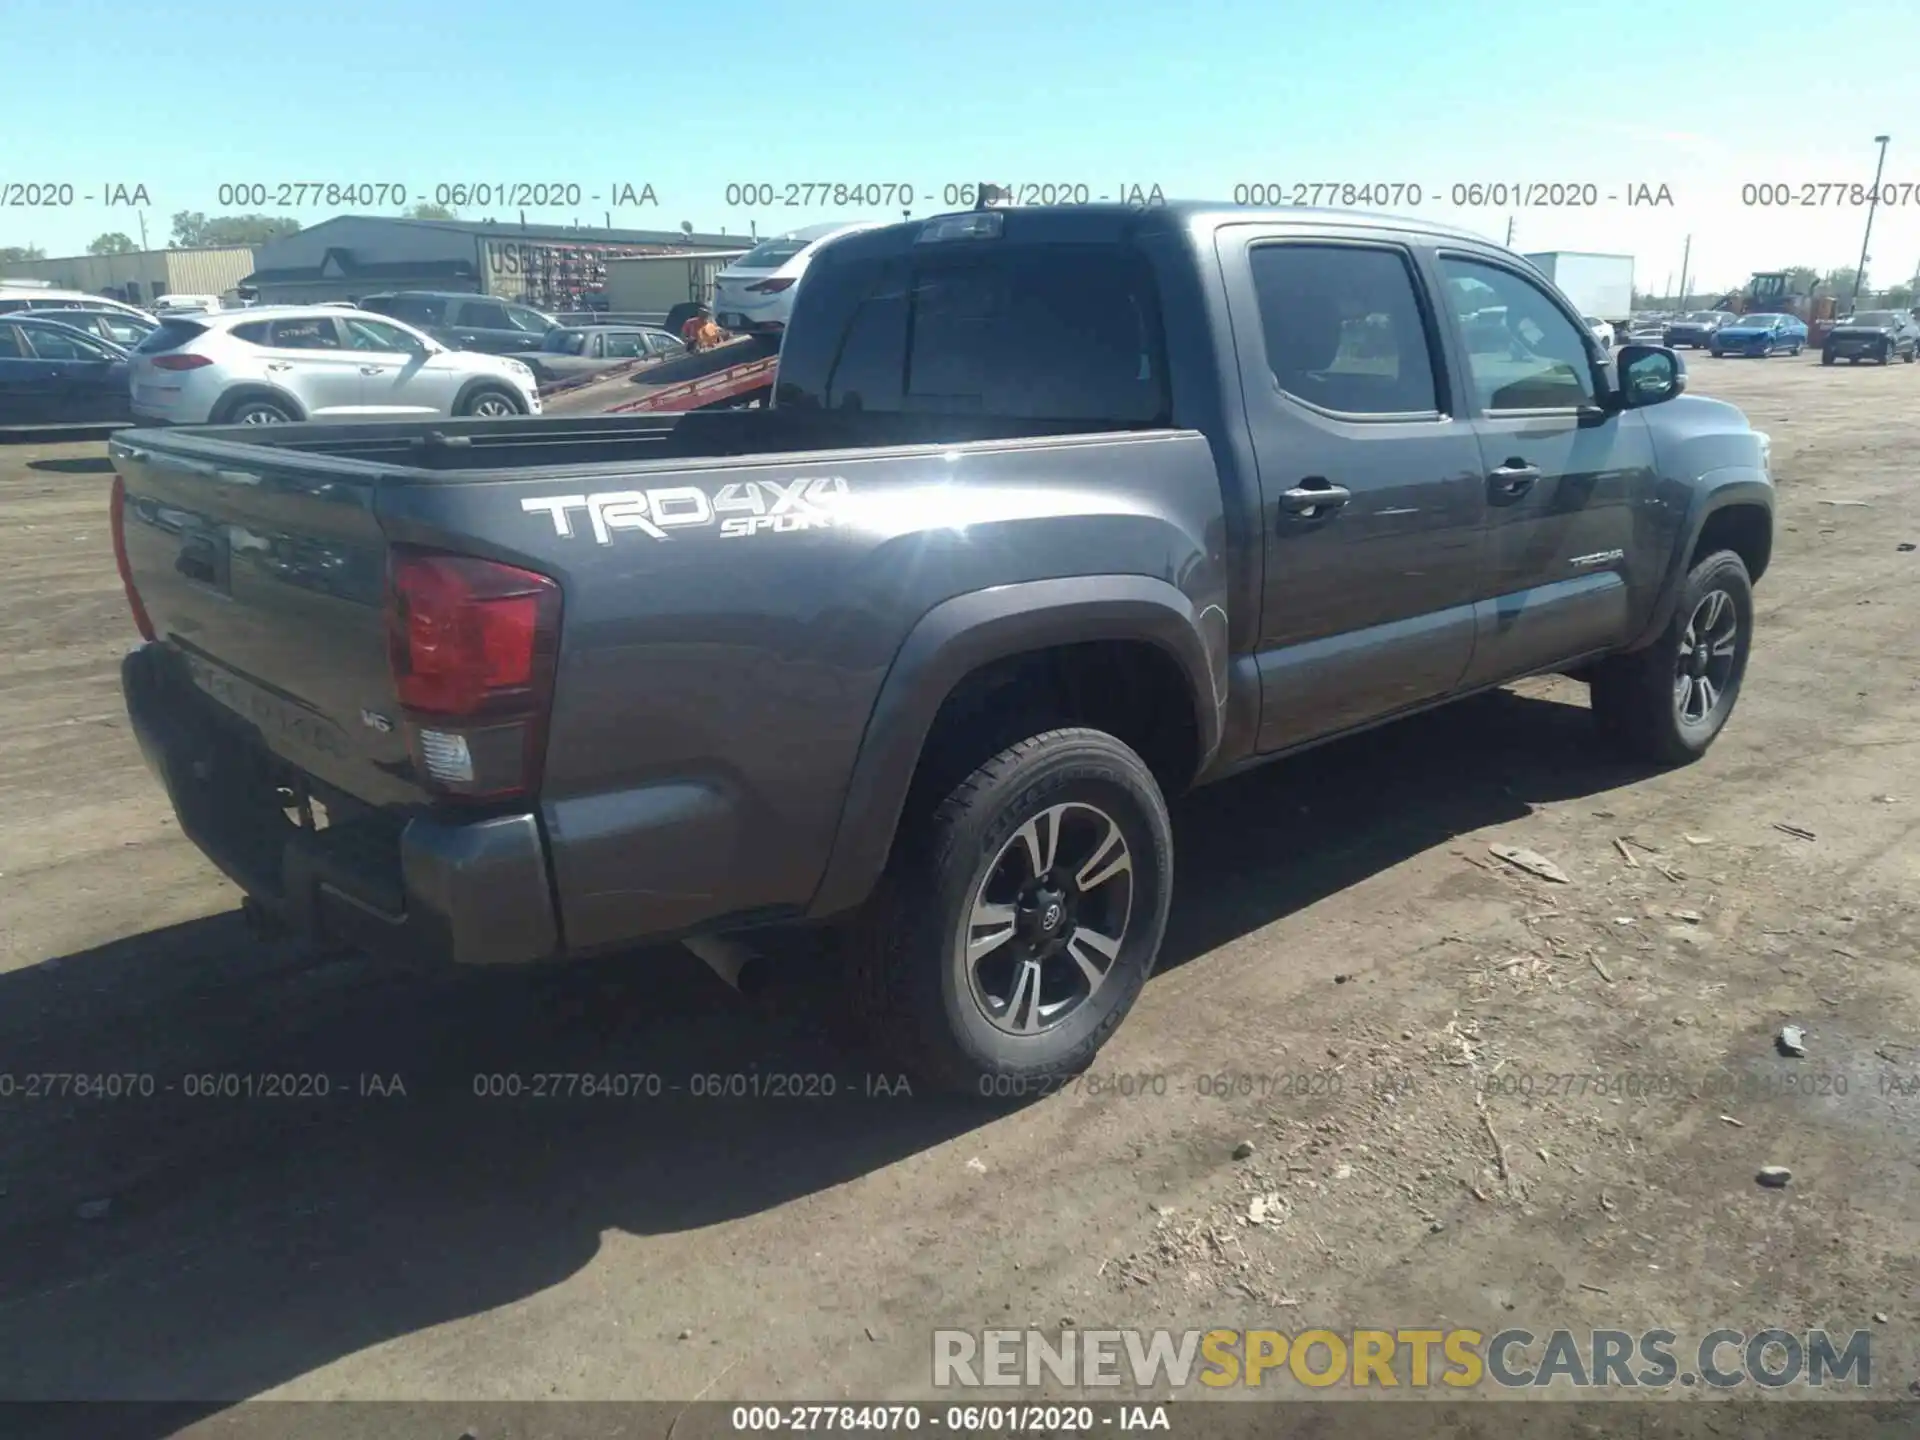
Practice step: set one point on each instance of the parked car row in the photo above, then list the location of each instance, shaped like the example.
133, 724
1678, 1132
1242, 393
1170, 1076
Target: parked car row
64, 365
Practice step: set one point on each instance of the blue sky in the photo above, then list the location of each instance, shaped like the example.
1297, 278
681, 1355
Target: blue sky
1196, 98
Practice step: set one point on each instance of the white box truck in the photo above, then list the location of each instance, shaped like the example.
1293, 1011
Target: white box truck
1600, 286
653, 285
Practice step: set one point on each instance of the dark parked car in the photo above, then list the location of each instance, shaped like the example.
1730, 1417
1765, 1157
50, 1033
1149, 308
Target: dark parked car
1698, 329
1056, 512
467, 322
1872, 335
582, 350
52, 373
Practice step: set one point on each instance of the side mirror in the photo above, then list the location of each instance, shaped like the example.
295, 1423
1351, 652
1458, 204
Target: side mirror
1649, 374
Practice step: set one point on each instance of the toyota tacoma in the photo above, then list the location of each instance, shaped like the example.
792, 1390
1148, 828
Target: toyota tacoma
1055, 513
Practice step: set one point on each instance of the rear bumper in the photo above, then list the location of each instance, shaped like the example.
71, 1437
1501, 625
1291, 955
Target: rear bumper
472, 892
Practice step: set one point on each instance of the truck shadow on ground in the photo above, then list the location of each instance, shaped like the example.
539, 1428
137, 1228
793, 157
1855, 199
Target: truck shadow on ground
253, 1238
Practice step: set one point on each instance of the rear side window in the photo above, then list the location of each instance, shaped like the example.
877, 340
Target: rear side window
10, 344
1058, 333
51, 344
1343, 328
313, 333
170, 335
414, 309
483, 315
254, 332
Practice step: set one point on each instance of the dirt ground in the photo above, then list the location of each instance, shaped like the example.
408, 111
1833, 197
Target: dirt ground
1473, 1097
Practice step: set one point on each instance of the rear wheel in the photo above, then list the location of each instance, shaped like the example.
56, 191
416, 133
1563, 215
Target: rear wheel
1826, 357
1668, 702
259, 411
490, 403
1018, 920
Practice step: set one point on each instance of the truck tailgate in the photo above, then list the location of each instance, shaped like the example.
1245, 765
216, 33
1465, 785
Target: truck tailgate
270, 583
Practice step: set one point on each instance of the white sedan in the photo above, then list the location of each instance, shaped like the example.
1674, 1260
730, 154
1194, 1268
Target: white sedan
1602, 331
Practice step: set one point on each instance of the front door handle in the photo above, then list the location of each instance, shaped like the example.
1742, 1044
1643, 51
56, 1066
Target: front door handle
279, 365
1516, 477
373, 369
1313, 497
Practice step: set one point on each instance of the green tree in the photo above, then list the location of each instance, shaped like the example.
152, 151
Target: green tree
194, 230
1900, 297
1801, 279
114, 242
1839, 284
426, 210
15, 254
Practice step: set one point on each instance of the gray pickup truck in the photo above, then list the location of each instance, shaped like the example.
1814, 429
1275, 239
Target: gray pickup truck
1055, 513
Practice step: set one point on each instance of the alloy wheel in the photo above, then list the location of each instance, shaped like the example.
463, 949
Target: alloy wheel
494, 407
1709, 649
1048, 919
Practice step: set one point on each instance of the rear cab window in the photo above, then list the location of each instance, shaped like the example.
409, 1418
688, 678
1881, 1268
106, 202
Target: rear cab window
1057, 333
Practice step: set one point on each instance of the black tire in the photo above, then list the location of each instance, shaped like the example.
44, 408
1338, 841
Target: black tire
1826, 357
482, 401
256, 410
1886, 356
1638, 697
1910, 356
930, 1006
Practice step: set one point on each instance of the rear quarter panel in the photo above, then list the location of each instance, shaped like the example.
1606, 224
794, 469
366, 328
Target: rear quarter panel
717, 674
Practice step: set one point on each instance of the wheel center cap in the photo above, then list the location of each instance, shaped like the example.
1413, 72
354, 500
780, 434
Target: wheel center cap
1697, 664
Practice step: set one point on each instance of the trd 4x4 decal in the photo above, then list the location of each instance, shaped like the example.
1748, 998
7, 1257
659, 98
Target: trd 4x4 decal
741, 507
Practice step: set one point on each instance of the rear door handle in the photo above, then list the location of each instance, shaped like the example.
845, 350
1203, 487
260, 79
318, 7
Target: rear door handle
373, 369
1516, 477
1314, 496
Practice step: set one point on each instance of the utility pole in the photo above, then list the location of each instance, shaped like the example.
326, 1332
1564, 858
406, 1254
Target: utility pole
1509, 232
1685, 256
143, 228
1873, 202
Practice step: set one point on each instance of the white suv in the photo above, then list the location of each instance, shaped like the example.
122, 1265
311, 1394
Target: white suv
267, 366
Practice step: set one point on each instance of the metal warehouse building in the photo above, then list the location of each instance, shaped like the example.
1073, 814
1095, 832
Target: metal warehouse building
548, 266
142, 276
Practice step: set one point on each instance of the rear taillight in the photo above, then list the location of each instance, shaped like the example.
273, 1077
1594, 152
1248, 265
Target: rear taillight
472, 645
770, 287
119, 526
179, 362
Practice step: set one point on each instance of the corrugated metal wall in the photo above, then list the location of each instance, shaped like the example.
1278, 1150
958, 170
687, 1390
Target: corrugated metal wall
173, 272
207, 272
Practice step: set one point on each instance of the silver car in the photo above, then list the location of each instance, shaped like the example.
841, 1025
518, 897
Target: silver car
269, 365
754, 295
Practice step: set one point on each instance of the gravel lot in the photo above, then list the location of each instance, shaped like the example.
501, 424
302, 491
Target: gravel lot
1473, 1097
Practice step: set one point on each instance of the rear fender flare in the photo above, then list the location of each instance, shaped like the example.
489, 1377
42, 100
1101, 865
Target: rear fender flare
959, 636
